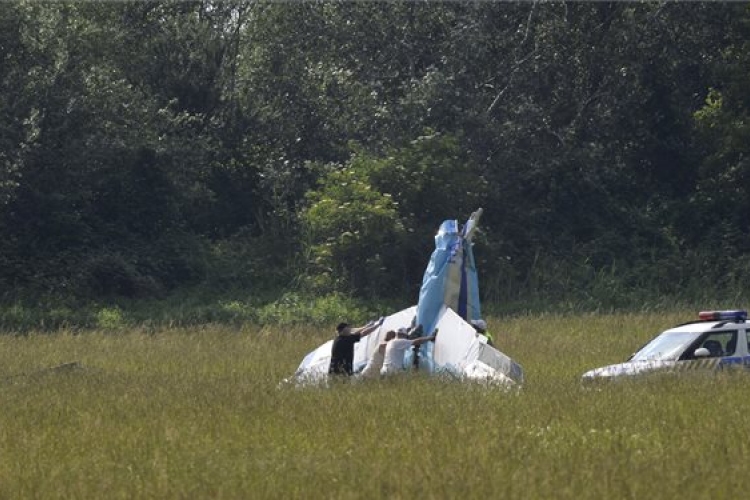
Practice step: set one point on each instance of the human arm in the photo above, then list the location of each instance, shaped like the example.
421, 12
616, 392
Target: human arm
368, 328
422, 340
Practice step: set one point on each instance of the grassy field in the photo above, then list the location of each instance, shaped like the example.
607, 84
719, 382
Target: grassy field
199, 413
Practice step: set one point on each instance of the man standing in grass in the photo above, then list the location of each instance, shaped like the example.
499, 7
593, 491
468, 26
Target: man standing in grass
396, 349
342, 351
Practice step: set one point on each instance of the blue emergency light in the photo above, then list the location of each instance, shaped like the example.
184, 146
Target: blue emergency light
730, 315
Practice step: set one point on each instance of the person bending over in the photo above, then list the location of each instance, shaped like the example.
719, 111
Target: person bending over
481, 328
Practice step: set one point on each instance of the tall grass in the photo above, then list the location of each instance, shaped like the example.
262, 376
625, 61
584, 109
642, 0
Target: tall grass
199, 412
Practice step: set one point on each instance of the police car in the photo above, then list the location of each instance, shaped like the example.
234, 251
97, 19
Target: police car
716, 340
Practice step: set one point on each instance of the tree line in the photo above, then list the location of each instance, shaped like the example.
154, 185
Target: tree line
151, 146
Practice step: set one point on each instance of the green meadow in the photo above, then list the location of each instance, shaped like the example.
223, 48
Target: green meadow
202, 412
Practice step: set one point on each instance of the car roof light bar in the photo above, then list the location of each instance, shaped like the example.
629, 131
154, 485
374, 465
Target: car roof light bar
729, 315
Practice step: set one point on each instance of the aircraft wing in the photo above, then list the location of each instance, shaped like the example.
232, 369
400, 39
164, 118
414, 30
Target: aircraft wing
460, 351
314, 366
364, 349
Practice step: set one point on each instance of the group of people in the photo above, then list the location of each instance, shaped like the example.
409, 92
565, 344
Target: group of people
387, 359
389, 356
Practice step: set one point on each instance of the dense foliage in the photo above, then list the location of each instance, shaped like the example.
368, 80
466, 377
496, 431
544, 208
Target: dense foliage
146, 147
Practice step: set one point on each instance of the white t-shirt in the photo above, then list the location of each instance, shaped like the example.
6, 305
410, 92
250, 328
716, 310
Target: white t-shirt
394, 355
372, 369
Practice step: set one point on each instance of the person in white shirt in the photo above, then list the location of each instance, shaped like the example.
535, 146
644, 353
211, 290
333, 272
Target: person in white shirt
395, 350
375, 363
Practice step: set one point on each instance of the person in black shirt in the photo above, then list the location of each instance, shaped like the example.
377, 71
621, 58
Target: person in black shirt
342, 352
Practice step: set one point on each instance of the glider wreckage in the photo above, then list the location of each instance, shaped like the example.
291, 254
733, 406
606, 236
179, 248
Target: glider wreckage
448, 302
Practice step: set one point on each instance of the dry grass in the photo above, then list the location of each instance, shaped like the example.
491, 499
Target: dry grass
199, 413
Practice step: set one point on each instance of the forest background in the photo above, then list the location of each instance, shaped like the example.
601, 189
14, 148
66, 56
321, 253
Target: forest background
183, 162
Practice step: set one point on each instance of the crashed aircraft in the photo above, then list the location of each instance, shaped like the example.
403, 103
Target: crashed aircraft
448, 301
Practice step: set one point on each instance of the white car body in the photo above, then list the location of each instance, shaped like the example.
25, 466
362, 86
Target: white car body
709, 345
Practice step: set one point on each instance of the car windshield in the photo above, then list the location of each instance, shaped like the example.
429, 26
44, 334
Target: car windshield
668, 345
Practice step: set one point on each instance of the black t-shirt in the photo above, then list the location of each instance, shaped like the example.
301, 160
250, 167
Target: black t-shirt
342, 354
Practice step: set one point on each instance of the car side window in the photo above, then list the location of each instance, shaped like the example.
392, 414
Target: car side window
731, 346
720, 343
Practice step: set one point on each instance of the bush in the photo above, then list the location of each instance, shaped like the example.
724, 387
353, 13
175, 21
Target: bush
111, 274
353, 235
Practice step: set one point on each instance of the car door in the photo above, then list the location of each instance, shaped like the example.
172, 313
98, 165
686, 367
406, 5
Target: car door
722, 347
736, 353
